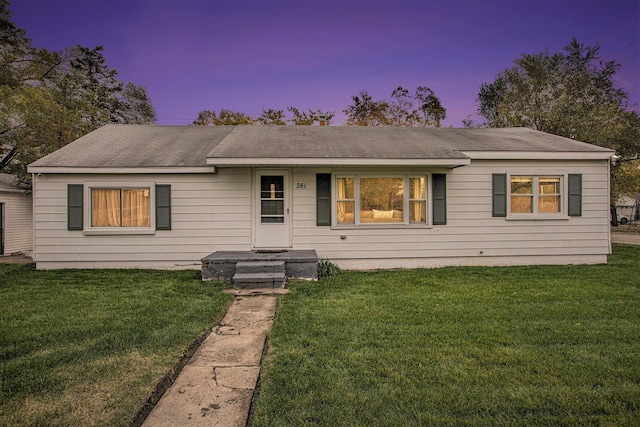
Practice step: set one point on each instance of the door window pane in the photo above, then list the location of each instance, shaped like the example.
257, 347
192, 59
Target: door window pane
272, 199
272, 187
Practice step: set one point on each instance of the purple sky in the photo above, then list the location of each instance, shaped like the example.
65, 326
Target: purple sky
246, 55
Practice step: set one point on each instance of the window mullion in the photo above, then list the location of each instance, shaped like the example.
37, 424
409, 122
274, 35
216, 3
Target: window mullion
407, 196
535, 190
356, 199
121, 210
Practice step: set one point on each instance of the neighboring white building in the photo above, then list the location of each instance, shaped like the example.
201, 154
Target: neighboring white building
626, 209
16, 217
164, 197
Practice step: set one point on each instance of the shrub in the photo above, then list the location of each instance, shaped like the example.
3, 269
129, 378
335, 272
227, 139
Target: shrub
327, 269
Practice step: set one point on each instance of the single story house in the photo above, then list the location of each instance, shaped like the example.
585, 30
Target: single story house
16, 217
364, 197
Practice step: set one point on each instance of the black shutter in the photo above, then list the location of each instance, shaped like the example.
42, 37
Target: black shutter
323, 199
163, 207
75, 212
499, 189
575, 195
439, 190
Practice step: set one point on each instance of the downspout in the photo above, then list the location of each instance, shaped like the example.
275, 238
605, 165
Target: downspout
609, 161
33, 217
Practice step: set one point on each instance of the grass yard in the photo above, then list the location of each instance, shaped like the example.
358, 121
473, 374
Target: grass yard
552, 345
82, 348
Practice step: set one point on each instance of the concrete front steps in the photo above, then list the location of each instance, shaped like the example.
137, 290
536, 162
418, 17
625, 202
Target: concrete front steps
256, 269
259, 275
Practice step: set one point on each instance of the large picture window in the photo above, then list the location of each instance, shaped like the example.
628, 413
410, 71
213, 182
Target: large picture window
535, 194
120, 207
381, 200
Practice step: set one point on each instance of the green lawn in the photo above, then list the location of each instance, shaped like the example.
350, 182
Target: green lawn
552, 345
80, 348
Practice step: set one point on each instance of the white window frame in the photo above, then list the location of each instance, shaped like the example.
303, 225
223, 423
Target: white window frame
406, 220
564, 191
110, 185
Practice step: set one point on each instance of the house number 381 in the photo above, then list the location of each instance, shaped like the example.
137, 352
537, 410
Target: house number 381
301, 185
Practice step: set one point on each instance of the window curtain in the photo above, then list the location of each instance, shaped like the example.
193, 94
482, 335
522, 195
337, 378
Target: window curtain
418, 203
105, 208
120, 208
346, 204
135, 208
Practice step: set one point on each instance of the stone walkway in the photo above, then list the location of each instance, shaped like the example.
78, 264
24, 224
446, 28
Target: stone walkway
216, 387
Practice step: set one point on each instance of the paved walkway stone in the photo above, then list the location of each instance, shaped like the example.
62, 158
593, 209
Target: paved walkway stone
216, 387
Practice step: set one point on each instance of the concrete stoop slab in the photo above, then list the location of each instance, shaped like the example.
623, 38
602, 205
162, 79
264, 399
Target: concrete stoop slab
257, 291
216, 387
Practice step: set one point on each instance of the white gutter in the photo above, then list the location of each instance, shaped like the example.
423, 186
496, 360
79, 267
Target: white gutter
85, 170
258, 161
537, 155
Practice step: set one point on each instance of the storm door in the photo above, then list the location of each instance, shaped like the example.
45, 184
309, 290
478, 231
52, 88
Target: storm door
272, 213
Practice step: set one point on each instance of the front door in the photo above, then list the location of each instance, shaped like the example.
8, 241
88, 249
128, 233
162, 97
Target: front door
272, 213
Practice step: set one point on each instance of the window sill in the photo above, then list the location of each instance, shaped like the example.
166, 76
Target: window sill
538, 218
118, 232
371, 226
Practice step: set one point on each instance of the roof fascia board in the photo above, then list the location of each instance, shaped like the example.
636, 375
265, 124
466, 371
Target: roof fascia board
157, 170
535, 155
336, 162
12, 190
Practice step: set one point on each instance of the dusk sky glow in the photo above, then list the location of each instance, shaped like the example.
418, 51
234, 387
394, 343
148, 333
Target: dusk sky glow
246, 55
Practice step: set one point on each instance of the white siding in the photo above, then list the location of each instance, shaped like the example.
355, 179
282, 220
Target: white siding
18, 222
471, 235
209, 212
212, 212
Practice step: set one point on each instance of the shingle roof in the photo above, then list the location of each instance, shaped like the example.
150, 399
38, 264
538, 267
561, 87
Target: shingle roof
385, 142
8, 184
512, 139
333, 142
142, 146
138, 146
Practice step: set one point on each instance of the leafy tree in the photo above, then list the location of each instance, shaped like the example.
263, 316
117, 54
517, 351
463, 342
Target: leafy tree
366, 112
135, 106
48, 99
571, 94
401, 109
301, 118
626, 179
430, 106
404, 109
468, 123
271, 116
268, 116
225, 117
